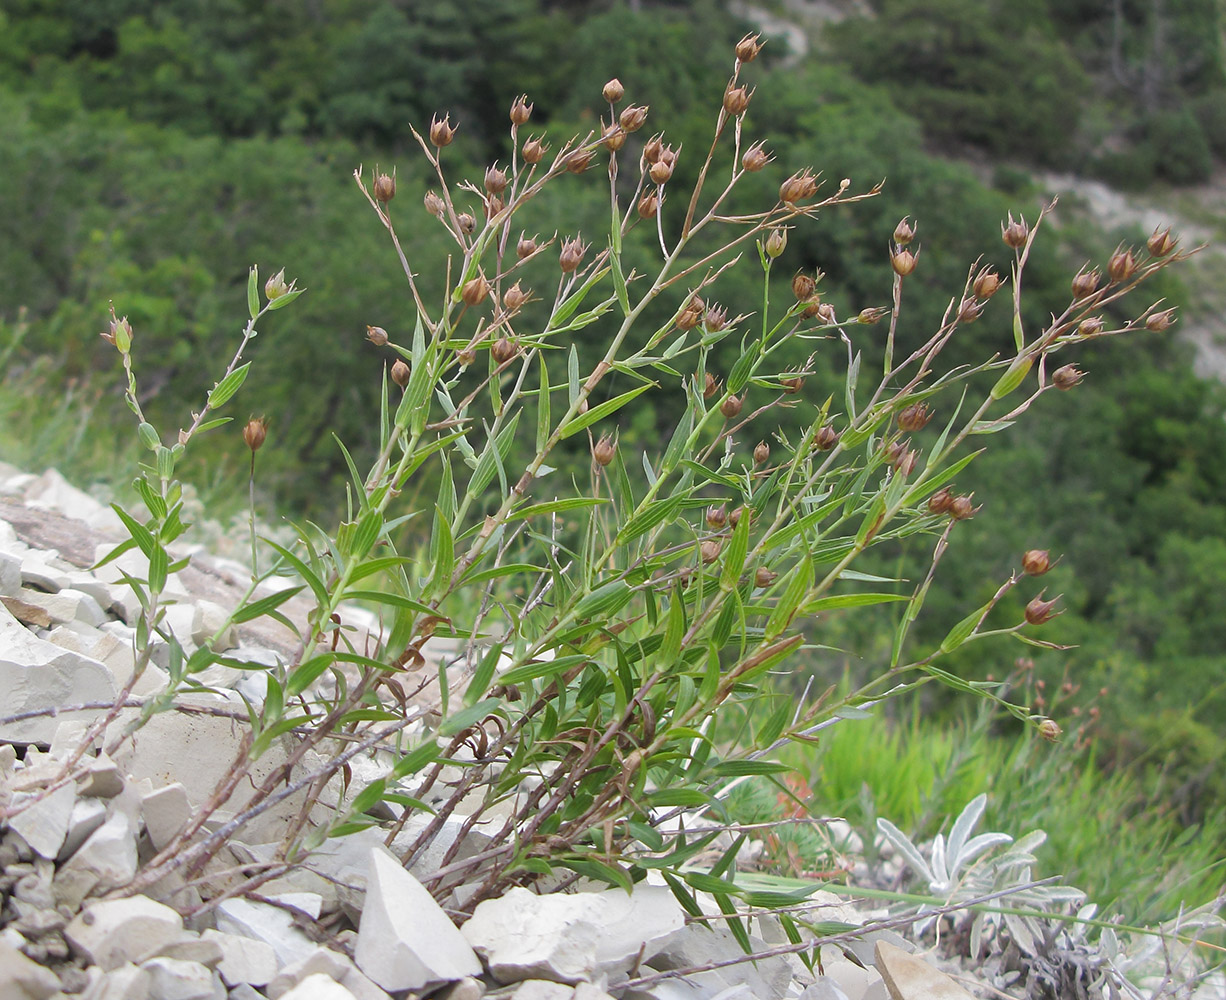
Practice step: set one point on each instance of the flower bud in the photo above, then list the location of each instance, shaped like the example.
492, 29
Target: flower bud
1161, 242
716, 517
903, 232
400, 373
961, 508
571, 254
941, 501
521, 110
709, 550
776, 243
526, 247
798, 187
1091, 326
1122, 265
710, 386
1067, 376
731, 406
434, 204
1036, 562
987, 281
755, 158
119, 334
903, 261
1039, 611
715, 318
514, 297
649, 205
495, 180
970, 310
604, 450
385, 188
475, 291
1014, 233
914, 417
1160, 321
803, 286
792, 385
533, 150
614, 138
692, 314
503, 350
441, 131
1050, 730
255, 432
747, 48
1085, 283
613, 91
653, 149
871, 315
376, 335
633, 117
764, 577
736, 100
826, 438
275, 286
761, 453
466, 223
579, 161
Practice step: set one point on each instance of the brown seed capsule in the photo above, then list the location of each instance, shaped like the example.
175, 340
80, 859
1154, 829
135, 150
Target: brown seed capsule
798, 187
715, 318
661, 170
400, 373
1050, 730
776, 242
475, 291
1067, 376
709, 550
871, 315
434, 204
692, 314
734, 518
526, 247
941, 501
717, 517
1161, 242
579, 161
376, 335
571, 254
503, 350
614, 138
826, 438
1014, 233
633, 118
493, 205
710, 386
825, 314
653, 149
467, 223
731, 406
1160, 321
1091, 326
961, 508
969, 310
514, 297
987, 282
905, 461
533, 150
255, 432
803, 286
903, 261
763, 577
1122, 265
521, 110
466, 356
736, 100
812, 307
747, 48
604, 450
1085, 283
441, 131
792, 385
1036, 562
903, 232
755, 158
385, 188
1039, 611
613, 91
914, 417
495, 180
761, 453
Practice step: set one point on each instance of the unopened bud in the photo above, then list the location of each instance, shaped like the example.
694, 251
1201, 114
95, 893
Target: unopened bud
1122, 265
871, 315
755, 158
400, 373
571, 254
275, 286
633, 118
731, 406
521, 110
747, 48
495, 180
1014, 233
717, 517
255, 432
441, 131
914, 417
903, 232
1085, 283
764, 577
526, 247
503, 350
604, 450
475, 290
826, 438
1036, 562
649, 205
798, 187
736, 100
119, 334
533, 150
613, 91
1160, 321
514, 297
385, 188
986, 283
1067, 376
761, 453
1161, 242
709, 550
579, 161
776, 243
1050, 730
903, 261
376, 335
1039, 611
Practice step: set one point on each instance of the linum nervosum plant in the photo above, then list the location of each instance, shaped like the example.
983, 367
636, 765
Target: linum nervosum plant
599, 630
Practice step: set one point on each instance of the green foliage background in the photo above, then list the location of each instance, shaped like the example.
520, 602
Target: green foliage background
149, 153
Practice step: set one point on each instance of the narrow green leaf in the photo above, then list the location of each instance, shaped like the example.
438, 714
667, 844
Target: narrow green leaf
464, 718
799, 582
734, 555
962, 631
656, 512
619, 279
492, 457
442, 554
379, 597
605, 601
257, 609
572, 375
670, 649
1014, 375
157, 569
739, 768
253, 291
543, 426
281, 301
849, 601
555, 506
483, 675
305, 674
228, 386
140, 534
603, 410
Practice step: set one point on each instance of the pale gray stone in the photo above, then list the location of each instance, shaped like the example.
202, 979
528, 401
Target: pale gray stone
910, 978
263, 922
68, 737
542, 989
318, 987
87, 816
826, 988
330, 963
165, 811
405, 940
571, 938
853, 980
468, 988
106, 860
243, 959
22, 979
207, 619
101, 778
172, 979
112, 933
8, 759
128, 982
44, 824
244, 992
698, 944
10, 574
38, 573
590, 991
65, 606
190, 948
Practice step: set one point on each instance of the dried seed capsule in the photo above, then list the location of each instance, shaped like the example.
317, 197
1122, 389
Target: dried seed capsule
441, 131
776, 243
467, 223
613, 91
255, 432
717, 517
1036, 562
692, 314
653, 149
571, 254
914, 417
514, 297
1122, 265
803, 287
871, 315
521, 110
961, 508
826, 438
1085, 283
764, 577
761, 453
792, 385
734, 518
649, 205
526, 247
709, 550
376, 335
495, 180
1161, 242
1039, 611
1091, 326
941, 501
633, 118
493, 205
747, 48
1160, 321
533, 150
579, 161
903, 232
716, 318
503, 350
969, 310
812, 307
710, 386
604, 450
1067, 376
798, 187
731, 406
614, 138
400, 373
1014, 233
434, 204
662, 169
903, 261
736, 100
986, 284
385, 188
755, 158
475, 290
466, 356
825, 314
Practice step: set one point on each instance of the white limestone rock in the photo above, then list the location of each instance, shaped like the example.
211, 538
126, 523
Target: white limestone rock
106, 860
116, 932
571, 938
10, 574
269, 924
334, 965
101, 778
826, 988
243, 959
207, 620
698, 944
165, 811
37, 674
128, 982
192, 948
22, 979
405, 940
855, 982
542, 989
908, 977
87, 816
44, 824
318, 987
173, 979
65, 606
